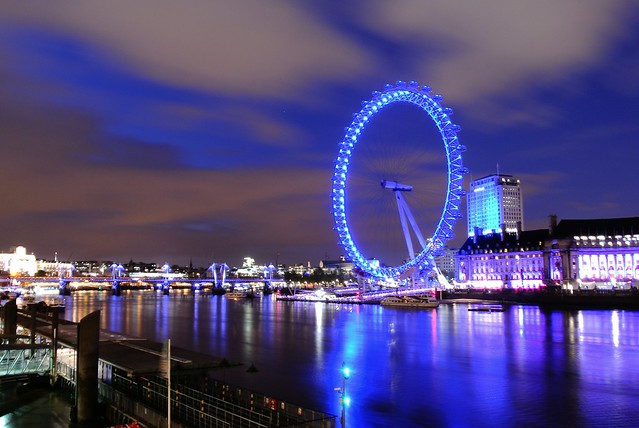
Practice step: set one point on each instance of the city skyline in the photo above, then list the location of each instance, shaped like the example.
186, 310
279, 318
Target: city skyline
159, 132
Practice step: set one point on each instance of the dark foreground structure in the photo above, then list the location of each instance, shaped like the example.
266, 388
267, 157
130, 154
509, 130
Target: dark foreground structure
101, 378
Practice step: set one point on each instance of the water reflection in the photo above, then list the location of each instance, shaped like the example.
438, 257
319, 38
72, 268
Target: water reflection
444, 367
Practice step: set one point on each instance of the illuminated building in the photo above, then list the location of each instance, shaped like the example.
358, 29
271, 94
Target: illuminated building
92, 267
337, 267
503, 260
602, 253
18, 262
494, 205
55, 268
446, 262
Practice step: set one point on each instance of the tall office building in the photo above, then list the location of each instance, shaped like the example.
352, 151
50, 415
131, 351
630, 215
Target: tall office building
495, 205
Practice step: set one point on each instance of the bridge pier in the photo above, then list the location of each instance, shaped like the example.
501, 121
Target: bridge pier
117, 289
63, 287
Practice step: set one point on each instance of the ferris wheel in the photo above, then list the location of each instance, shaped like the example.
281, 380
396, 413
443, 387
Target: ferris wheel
418, 252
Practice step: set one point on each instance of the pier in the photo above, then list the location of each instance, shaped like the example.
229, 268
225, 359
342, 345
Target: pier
128, 381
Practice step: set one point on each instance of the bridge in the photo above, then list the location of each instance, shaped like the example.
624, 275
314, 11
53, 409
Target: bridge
65, 285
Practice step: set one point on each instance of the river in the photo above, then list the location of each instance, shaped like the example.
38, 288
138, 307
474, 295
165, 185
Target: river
445, 367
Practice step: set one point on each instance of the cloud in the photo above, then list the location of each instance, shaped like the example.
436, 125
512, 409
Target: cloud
467, 49
55, 197
486, 57
492, 46
248, 47
263, 127
183, 125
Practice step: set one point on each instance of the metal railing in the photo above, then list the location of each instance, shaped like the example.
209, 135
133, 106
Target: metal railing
19, 359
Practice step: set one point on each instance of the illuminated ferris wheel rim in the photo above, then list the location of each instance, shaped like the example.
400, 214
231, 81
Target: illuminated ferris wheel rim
419, 96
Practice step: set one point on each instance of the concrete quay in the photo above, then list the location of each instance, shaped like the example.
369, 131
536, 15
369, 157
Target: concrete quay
556, 299
34, 403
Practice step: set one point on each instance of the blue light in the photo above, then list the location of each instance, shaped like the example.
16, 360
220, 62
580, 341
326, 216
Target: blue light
414, 95
346, 372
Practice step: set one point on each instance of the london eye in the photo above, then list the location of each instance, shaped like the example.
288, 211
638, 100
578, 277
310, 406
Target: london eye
389, 181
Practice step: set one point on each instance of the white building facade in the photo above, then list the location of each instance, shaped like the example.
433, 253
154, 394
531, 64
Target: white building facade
502, 261
602, 252
17, 262
599, 253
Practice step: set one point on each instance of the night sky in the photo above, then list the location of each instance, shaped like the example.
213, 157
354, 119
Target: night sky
207, 130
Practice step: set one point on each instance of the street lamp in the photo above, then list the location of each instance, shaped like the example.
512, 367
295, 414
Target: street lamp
344, 399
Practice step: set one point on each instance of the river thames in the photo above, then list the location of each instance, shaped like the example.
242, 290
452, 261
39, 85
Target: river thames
445, 367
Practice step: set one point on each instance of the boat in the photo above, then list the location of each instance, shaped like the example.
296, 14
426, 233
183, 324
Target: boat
242, 294
410, 302
486, 308
235, 294
57, 303
26, 299
54, 303
46, 290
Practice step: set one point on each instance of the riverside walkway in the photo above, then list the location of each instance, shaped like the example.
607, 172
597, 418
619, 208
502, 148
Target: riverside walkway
553, 298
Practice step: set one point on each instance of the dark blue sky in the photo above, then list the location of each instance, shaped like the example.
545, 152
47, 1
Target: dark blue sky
170, 131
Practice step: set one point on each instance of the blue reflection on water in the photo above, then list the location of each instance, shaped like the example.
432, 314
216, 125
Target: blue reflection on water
446, 367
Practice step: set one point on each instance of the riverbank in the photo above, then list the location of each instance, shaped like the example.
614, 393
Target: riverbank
579, 299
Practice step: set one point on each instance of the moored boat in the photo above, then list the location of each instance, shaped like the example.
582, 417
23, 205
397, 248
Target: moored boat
26, 299
49, 303
486, 308
57, 303
242, 294
410, 302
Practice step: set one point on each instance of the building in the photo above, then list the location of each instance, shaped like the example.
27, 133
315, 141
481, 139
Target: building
141, 267
342, 266
601, 253
505, 260
17, 262
495, 205
446, 262
92, 268
588, 253
55, 268
300, 269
